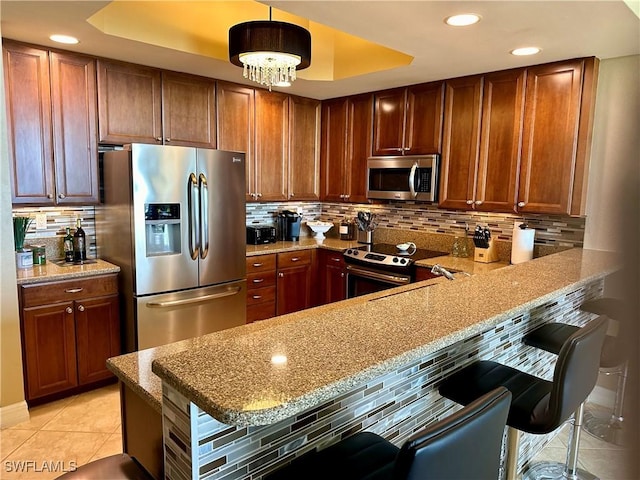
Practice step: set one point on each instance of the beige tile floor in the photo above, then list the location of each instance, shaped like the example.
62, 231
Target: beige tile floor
86, 427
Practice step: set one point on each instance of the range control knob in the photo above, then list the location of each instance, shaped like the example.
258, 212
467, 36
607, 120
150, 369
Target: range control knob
395, 259
349, 252
403, 261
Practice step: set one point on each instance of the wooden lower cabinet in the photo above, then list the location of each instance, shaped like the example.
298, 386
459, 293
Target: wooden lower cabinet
294, 281
69, 329
261, 287
333, 279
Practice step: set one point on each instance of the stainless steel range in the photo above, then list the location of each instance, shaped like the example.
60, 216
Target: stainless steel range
372, 268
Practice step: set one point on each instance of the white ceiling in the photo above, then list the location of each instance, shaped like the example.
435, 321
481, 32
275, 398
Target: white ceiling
563, 29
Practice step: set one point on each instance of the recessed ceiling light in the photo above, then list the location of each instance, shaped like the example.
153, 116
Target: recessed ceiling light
525, 51
64, 39
462, 20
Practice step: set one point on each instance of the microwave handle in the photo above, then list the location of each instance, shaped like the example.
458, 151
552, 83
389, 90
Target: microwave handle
412, 178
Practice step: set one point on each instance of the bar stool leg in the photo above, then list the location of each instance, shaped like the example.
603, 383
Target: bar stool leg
569, 470
513, 450
609, 430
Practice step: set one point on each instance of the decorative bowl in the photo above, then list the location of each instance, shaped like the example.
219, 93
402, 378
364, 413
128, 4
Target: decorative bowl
319, 228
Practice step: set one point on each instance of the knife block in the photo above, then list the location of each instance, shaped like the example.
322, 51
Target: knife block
486, 255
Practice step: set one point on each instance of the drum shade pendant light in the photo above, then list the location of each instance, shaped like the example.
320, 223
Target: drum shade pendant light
270, 52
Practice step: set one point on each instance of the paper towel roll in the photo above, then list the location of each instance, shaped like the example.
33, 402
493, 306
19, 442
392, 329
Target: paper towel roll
522, 244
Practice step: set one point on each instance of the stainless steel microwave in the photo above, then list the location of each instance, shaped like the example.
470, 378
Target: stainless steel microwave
403, 178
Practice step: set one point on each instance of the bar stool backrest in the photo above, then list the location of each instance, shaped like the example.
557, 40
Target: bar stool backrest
576, 370
465, 445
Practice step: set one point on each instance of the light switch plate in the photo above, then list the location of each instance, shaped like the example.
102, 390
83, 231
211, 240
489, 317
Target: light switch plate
41, 221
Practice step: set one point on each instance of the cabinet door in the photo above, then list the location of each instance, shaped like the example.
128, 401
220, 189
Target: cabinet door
423, 128
304, 149
129, 103
28, 106
502, 116
188, 110
552, 107
389, 121
272, 145
332, 277
359, 132
293, 289
75, 136
98, 337
461, 142
49, 349
333, 150
236, 126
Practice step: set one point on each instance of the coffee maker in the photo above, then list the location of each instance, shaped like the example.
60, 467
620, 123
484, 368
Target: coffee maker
289, 226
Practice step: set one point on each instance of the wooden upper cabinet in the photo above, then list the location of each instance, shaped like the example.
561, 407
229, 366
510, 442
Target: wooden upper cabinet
463, 99
346, 145
188, 110
129, 103
500, 141
272, 145
236, 126
304, 149
550, 136
359, 133
51, 95
333, 150
408, 121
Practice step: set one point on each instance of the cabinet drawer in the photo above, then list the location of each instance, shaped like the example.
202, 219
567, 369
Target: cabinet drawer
68, 290
260, 295
334, 258
261, 311
261, 263
294, 259
261, 279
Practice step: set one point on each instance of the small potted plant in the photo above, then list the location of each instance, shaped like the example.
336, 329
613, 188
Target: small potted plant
24, 257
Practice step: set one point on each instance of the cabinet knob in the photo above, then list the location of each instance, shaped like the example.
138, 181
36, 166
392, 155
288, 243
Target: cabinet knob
291, 195
469, 202
81, 308
50, 195
342, 274
69, 310
521, 204
61, 195
167, 140
406, 149
280, 274
347, 196
158, 139
259, 195
478, 202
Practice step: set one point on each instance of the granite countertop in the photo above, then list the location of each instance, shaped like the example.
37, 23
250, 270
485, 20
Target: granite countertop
304, 243
50, 272
233, 375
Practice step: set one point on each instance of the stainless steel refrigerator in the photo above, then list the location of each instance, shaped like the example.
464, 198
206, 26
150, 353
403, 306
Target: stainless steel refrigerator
173, 219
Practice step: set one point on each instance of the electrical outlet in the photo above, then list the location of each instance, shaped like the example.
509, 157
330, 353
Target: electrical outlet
41, 221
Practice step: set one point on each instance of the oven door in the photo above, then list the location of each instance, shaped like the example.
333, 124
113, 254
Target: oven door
362, 280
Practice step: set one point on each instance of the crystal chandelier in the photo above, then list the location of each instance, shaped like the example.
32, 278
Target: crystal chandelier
270, 52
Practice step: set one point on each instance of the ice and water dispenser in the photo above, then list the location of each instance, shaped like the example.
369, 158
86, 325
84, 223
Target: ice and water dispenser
162, 228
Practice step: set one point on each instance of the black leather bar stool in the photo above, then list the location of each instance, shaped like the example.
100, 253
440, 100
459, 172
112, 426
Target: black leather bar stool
116, 467
613, 360
465, 445
538, 406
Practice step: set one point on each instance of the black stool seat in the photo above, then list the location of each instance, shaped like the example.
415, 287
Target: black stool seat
116, 467
447, 450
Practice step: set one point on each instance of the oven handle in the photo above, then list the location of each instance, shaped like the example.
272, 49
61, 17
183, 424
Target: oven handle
398, 280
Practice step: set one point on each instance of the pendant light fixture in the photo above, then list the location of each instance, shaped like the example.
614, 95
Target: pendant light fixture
270, 52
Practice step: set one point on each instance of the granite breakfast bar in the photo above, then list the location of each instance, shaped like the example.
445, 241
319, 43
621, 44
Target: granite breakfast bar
241, 402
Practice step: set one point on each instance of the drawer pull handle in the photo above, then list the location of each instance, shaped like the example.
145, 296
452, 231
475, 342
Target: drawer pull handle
295, 259
73, 290
81, 308
258, 280
257, 265
336, 259
69, 310
257, 297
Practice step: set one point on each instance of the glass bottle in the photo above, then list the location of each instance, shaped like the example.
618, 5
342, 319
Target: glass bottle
68, 246
79, 243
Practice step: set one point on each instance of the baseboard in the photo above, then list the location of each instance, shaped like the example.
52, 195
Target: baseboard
13, 414
602, 396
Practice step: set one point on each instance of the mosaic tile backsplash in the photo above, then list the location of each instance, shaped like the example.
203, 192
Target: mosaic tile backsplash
561, 231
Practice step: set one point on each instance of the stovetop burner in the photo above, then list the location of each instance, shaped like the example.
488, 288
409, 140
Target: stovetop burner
383, 254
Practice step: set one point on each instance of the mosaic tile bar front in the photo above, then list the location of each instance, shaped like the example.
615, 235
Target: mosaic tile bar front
394, 405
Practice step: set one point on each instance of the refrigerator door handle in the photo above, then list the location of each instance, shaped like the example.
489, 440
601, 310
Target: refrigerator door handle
190, 301
192, 205
204, 216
